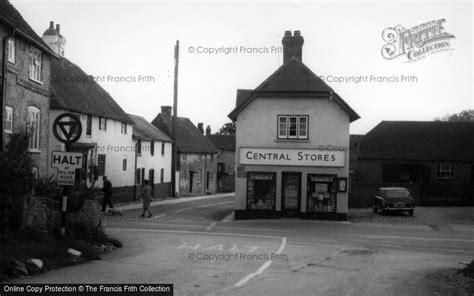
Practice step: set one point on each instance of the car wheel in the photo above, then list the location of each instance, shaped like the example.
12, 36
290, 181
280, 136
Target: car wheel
410, 212
375, 209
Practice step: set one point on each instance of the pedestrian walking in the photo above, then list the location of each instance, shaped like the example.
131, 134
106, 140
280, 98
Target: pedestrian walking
107, 189
146, 195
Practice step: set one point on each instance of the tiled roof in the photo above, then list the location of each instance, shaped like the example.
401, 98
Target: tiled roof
188, 138
73, 90
419, 140
292, 78
224, 142
142, 129
11, 17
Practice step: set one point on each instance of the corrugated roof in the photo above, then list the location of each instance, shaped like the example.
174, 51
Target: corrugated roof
292, 78
224, 142
188, 138
73, 90
10, 16
419, 140
142, 129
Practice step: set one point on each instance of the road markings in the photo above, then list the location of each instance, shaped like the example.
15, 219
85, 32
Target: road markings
262, 268
420, 238
156, 217
185, 209
211, 225
215, 204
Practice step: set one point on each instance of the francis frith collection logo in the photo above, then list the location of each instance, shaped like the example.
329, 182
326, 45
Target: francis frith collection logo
416, 42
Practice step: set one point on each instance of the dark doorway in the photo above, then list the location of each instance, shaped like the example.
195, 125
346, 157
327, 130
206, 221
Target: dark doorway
291, 194
151, 176
191, 181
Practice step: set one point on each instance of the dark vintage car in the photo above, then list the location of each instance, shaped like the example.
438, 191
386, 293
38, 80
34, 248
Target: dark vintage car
394, 199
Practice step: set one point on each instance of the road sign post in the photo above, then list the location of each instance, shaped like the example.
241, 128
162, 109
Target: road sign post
67, 129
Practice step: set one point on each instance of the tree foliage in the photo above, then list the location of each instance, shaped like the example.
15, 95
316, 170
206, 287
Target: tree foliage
463, 116
227, 129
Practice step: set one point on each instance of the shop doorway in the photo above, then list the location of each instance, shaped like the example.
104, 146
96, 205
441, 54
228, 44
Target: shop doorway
291, 194
191, 181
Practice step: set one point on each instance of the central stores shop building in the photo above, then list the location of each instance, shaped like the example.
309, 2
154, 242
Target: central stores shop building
292, 139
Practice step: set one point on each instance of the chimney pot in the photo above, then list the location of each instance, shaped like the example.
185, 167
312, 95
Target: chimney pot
297, 33
287, 33
58, 28
200, 127
166, 110
51, 24
208, 130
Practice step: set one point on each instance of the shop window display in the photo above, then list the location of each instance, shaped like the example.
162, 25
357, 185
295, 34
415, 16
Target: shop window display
261, 191
322, 193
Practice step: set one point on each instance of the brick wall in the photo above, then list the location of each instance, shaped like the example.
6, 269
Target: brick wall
22, 92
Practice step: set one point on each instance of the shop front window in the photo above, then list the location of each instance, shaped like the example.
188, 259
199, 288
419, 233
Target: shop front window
322, 193
261, 189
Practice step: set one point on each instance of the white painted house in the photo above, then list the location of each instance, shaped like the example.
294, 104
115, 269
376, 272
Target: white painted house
106, 140
152, 158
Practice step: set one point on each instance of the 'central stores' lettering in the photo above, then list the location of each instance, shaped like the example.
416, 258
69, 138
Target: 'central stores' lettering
284, 156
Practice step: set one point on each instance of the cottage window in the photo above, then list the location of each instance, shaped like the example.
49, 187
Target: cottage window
152, 148
293, 127
11, 50
8, 122
36, 63
163, 148
123, 128
445, 171
89, 125
124, 163
162, 175
102, 123
33, 124
139, 147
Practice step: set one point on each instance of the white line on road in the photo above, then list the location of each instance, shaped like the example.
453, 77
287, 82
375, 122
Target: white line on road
215, 204
156, 217
185, 209
262, 268
211, 225
420, 238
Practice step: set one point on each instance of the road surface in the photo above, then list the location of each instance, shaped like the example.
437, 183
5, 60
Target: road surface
187, 244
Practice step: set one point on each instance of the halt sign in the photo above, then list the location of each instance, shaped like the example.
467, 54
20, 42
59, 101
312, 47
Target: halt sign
66, 163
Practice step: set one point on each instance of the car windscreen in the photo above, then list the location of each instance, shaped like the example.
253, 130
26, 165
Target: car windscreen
398, 193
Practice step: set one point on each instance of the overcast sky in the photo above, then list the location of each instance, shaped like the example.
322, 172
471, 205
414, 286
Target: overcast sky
126, 40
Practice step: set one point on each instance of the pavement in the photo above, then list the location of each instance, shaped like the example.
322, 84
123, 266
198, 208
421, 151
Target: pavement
170, 200
195, 245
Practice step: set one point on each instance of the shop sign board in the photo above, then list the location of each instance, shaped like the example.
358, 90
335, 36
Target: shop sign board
291, 157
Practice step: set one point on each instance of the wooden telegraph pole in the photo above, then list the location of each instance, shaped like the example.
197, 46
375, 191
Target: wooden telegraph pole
174, 119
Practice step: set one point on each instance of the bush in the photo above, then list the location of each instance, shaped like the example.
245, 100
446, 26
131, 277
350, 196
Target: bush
77, 195
47, 187
16, 167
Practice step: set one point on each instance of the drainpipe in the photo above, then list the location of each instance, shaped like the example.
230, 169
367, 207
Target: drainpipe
3, 91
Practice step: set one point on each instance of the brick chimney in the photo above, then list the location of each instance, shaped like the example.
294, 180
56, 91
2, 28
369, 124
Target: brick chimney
292, 46
208, 130
201, 127
166, 110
